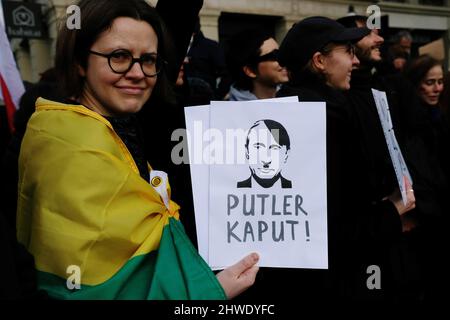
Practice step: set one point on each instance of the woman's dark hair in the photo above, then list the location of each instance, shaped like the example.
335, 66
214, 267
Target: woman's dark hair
244, 48
277, 130
419, 67
97, 16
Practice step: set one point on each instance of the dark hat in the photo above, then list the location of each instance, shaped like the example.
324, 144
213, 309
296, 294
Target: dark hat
310, 35
349, 21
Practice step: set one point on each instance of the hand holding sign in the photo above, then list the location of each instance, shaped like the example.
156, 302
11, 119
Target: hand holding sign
397, 199
240, 276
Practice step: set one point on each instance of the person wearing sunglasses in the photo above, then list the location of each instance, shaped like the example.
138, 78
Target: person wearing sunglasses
252, 61
98, 219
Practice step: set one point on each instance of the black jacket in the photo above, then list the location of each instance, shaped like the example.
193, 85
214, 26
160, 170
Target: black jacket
207, 62
180, 18
159, 120
411, 126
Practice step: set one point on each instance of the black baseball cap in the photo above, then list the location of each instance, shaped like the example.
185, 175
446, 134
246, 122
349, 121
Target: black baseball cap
310, 35
349, 21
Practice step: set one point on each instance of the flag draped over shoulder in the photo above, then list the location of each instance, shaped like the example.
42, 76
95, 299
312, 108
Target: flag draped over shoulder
83, 203
11, 85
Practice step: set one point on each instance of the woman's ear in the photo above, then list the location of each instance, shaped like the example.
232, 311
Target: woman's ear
81, 71
249, 72
318, 61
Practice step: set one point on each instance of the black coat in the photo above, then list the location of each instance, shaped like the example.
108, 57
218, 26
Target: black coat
207, 62
16, 267
158, 121
408, 257
180, 17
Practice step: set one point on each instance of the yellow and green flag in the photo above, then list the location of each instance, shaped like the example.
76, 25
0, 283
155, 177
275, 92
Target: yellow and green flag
83, 203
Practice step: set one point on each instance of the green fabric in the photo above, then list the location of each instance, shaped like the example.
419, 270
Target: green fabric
174, 272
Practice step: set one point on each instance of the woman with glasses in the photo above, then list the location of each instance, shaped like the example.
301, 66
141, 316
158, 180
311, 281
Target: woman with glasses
252, 61
97, 218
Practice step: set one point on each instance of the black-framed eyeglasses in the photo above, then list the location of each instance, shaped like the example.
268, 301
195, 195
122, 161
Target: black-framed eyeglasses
271, 56
350, 49
121, 61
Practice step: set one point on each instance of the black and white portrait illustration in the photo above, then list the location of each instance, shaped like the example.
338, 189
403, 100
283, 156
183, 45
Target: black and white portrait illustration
267, 151
265, 182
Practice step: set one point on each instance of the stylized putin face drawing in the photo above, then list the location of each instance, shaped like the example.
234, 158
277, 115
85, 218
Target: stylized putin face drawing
267, 151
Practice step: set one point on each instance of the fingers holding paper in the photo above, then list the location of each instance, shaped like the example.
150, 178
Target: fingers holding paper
240, 276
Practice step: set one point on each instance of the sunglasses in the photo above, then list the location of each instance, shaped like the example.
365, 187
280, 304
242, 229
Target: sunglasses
271, 56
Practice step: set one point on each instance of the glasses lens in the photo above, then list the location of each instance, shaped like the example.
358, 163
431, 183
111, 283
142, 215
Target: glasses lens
151, 64
351, 49
120, 60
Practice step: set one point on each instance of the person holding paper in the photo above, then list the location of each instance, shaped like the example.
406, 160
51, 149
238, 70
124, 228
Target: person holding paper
267, 150
382, 179
410, 129
97, 218
320, 56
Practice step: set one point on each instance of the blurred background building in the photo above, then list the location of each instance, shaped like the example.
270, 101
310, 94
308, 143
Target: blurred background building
426, 20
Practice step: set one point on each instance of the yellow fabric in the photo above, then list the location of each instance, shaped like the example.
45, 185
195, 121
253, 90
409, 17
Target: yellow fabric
81, 199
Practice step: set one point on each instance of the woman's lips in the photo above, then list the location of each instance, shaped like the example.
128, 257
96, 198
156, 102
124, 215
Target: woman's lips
131, 90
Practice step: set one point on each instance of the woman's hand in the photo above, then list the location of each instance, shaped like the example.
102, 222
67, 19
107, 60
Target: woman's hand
240, 276
396, 199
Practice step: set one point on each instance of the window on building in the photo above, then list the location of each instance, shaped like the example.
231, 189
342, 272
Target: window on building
433, 2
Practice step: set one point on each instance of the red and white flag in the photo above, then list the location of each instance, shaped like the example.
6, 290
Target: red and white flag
11, 83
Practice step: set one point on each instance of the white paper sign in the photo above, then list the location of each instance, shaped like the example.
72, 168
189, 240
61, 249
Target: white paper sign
197, 122
398, 162
267, 183
197, 125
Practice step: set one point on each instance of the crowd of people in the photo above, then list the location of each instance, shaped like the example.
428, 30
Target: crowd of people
89, 166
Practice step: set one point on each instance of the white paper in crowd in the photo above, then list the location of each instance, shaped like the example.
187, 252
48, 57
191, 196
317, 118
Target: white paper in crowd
281, 99
398, 162
2, 19
197, 126
286, 223
197, 123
